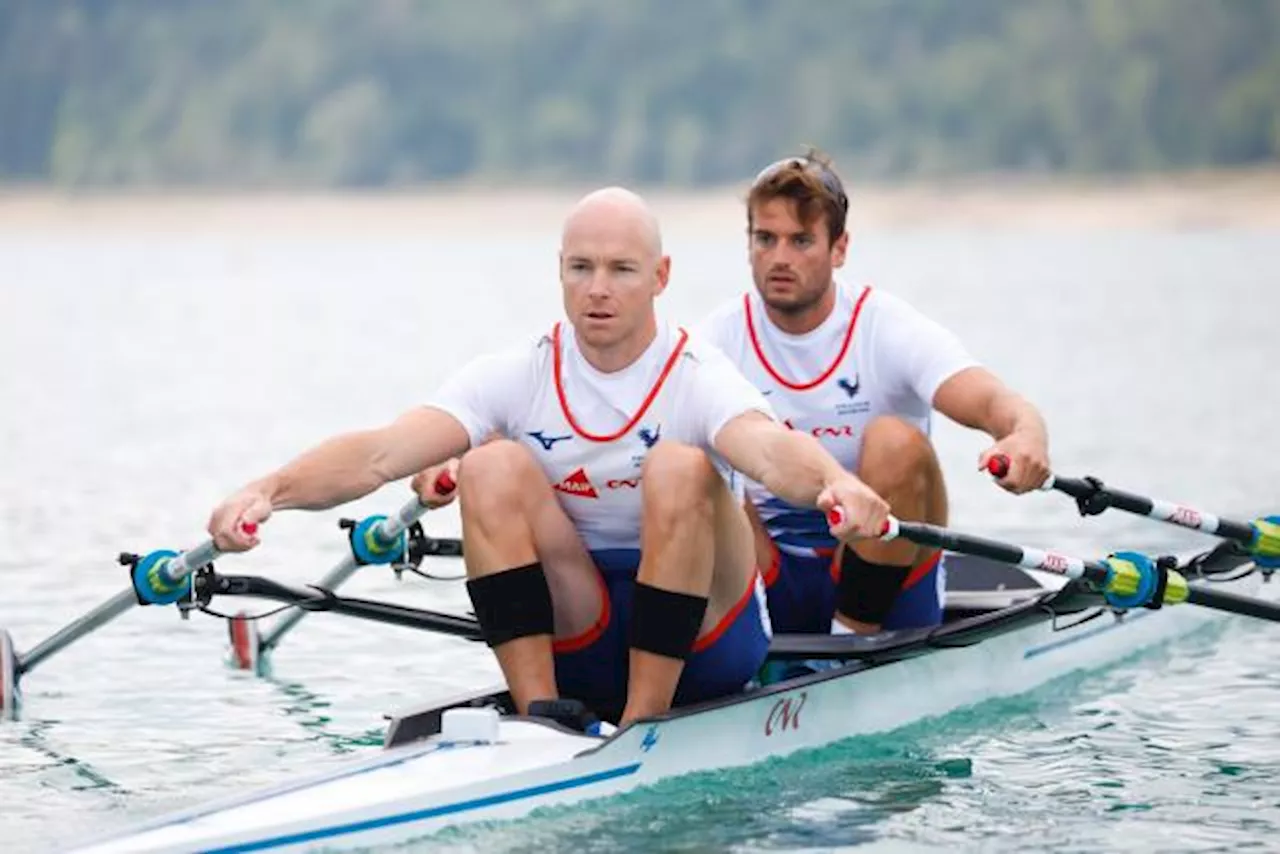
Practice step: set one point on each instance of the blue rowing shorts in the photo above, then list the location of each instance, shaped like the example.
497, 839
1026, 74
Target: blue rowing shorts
593, 667
801, 592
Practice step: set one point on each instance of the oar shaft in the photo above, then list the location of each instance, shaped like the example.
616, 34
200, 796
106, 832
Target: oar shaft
332, 580
1027, 558
1126, 580
189, 561
171, 570
1093, 497
69, 634
1154, 508
386, 530
1221, 600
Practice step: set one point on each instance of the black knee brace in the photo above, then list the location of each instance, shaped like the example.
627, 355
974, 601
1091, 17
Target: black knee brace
664, 622
512, 604
866, 591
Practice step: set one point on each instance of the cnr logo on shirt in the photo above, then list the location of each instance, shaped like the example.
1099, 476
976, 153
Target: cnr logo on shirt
823, 431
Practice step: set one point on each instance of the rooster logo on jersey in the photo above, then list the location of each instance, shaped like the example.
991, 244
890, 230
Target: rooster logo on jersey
851, 386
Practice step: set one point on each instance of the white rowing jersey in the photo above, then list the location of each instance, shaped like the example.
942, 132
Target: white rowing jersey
874, 355
590, 431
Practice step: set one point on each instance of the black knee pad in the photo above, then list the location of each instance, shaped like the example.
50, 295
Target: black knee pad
664, 622
512, 604
866, 591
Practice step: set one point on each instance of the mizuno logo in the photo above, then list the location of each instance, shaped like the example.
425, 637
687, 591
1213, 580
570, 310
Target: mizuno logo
547, 442
577, 484
649, 437
850, 388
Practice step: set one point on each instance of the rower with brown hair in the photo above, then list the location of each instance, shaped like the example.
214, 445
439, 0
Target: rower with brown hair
861, 370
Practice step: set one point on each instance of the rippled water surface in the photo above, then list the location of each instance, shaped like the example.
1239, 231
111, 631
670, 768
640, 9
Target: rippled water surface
145, 375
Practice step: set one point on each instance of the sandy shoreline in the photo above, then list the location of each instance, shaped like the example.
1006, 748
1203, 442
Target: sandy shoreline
1196, 201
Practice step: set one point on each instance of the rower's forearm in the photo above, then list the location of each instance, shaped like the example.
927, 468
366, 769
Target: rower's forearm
334, 472
1011, 413
797, 468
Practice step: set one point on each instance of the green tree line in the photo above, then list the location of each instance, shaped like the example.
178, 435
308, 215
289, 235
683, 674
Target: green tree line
388, 92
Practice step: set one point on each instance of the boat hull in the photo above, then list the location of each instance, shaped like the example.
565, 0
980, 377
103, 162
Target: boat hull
419, 788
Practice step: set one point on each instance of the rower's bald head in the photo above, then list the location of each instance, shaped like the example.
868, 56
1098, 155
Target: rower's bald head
617, 210
612, 269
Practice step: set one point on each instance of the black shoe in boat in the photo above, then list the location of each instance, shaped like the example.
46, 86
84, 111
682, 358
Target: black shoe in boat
570, 714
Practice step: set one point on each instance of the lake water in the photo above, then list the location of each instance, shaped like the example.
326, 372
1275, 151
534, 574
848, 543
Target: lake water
144, 375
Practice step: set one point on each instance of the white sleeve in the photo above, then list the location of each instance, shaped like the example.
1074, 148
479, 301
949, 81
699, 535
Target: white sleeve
718, 394
918, 353
482, 393
715, 328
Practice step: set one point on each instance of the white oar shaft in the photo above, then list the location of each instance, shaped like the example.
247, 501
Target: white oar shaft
1167, 511
173, 571
178, 568
332, 580
1093, 498
1023, 556
64, 637
386, 530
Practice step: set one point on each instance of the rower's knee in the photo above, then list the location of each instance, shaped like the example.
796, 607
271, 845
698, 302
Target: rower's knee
678, 482
493, 478
895, 454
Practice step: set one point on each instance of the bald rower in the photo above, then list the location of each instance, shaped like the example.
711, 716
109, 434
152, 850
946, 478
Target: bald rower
609, 558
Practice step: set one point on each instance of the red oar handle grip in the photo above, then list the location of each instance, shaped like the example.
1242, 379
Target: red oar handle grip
249, 528
998, 465
445, 483
835, 516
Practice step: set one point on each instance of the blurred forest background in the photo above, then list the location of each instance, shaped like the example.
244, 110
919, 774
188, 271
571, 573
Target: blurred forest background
376, 93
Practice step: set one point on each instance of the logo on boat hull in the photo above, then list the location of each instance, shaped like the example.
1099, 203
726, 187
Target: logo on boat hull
650, 740
785, 714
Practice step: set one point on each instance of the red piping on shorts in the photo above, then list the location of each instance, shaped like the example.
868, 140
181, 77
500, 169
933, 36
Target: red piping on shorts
917, 572
591, 635
727, 620
770, 572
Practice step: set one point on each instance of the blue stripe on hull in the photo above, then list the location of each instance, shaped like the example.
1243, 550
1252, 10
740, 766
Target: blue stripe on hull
431, 812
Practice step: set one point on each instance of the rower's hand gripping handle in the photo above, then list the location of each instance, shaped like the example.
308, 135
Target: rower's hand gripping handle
888, 531
998, 467
383, 540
